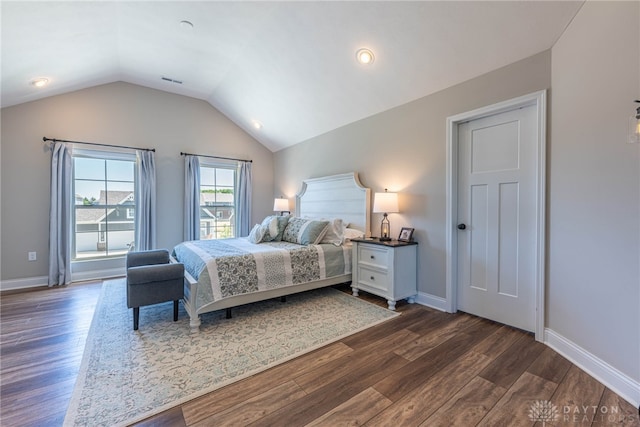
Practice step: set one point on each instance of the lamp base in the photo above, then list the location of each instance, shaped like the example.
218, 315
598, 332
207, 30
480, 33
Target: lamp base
385, 229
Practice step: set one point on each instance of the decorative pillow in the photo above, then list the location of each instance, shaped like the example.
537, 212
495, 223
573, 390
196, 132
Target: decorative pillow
275, 227
270, 223
352, 233
257, 233
335, 232
304, 231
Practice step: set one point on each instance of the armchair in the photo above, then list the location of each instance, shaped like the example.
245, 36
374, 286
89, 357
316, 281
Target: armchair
152, 279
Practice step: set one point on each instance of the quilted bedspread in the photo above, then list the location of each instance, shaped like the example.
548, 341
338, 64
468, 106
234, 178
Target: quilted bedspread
228, 267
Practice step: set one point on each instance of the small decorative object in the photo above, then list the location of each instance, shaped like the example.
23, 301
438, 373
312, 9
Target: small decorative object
634, 126
406, 234
385, 203
282, 205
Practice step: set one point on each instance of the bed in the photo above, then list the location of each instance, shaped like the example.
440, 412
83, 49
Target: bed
225, 273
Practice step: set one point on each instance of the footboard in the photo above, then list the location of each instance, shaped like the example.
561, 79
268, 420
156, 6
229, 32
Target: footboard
191, 292
190, 298
247, 298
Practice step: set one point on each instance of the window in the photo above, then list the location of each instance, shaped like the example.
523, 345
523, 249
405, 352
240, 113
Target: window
217, 201
104, 211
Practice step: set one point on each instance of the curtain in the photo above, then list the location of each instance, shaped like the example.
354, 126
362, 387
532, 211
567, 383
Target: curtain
243, 201
145, 214
191, 197
60, 222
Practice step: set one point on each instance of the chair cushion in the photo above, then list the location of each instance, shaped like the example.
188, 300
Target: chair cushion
157, 256
154, 273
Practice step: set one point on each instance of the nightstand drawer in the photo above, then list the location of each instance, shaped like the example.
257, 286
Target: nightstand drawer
373, 279
373, 256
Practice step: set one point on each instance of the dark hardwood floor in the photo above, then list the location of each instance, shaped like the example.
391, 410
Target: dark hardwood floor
424, 368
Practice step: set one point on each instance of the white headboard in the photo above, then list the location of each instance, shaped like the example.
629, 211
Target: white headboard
336, 196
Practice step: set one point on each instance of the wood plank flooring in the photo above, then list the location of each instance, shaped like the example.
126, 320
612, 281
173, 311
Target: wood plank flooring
424, 368
42, 337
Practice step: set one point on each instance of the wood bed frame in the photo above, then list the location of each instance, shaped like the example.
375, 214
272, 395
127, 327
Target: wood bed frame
336, 196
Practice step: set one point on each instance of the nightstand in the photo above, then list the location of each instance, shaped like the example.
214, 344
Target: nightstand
387, 269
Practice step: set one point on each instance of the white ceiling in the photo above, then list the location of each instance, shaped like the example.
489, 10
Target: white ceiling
289, 65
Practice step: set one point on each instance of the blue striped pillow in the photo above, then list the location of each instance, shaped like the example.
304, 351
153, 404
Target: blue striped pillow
305, 231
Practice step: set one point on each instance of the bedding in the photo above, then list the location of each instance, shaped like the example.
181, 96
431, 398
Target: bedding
256, 235
350, 233
335, 230
275, 227
270, 230
304, 231
229, 267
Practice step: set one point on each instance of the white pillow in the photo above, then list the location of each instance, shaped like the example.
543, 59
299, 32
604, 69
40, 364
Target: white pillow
352, 233
257, 233
335, 232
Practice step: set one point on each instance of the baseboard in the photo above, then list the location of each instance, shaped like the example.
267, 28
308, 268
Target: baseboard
42, 281
618, 382
29, 282
97, 274
432, 301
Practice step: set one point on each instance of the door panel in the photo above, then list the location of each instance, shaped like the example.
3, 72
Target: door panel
497, 159
507, 244
495, 148
479, 256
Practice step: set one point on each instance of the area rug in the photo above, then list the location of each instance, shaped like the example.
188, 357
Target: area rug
127, 375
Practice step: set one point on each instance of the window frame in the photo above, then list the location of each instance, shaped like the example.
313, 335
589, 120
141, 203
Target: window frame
104, 155
206, 163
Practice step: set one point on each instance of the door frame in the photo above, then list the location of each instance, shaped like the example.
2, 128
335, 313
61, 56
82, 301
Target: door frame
539, 100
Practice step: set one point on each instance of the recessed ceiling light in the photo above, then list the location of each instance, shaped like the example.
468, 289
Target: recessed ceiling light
256, 124
186, 25
39, 82
365, 56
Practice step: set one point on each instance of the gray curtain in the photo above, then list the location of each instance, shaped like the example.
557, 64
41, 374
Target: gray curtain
191, 197
145, 217
60, 208
243, 200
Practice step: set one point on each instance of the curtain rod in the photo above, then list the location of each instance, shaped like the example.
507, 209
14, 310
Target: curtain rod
215, 157
45, 139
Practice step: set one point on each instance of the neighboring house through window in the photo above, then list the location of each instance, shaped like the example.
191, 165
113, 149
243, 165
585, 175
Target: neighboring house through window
104, 211
217, 201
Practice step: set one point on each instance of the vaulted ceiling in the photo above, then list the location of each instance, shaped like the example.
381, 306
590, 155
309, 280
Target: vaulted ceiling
290, 66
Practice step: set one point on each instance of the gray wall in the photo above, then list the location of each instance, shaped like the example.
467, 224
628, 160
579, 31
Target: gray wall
593, 220
122, 114
404, 150
593, 287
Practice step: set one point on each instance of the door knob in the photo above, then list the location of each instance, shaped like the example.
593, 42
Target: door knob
461, 227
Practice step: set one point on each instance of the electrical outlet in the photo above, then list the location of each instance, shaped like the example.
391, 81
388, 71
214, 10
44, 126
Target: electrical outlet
32, 256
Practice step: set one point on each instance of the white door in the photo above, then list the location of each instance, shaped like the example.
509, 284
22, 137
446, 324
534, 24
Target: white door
497, 237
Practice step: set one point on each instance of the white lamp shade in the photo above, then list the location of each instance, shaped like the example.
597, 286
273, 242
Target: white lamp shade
385, 203
281, 205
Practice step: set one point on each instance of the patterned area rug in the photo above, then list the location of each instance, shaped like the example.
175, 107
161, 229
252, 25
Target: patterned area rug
129, 375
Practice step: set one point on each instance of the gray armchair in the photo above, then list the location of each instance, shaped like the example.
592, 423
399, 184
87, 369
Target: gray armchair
152, 279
